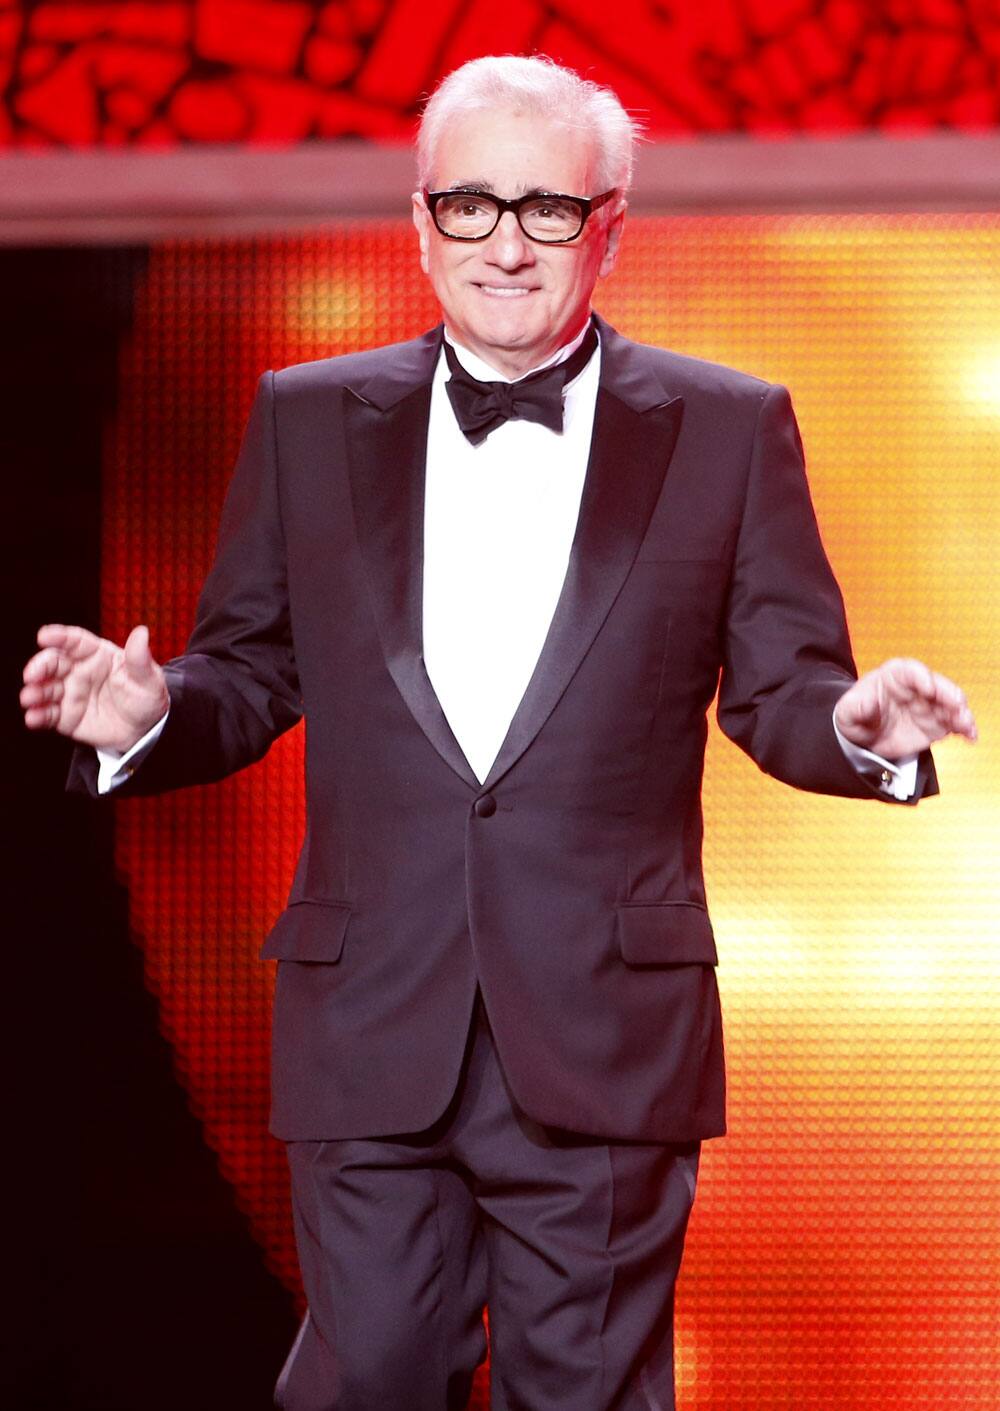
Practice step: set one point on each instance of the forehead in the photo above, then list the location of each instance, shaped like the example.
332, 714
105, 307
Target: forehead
513, 152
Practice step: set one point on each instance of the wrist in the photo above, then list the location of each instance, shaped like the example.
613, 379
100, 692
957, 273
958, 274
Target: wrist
140, 730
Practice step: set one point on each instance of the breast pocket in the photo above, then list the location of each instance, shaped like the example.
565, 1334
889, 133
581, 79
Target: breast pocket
685, 572
670, 543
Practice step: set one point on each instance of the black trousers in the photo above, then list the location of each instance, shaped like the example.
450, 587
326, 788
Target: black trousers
573, 1243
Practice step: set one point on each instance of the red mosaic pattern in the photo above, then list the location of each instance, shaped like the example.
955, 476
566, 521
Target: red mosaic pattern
843, 1251
172, 72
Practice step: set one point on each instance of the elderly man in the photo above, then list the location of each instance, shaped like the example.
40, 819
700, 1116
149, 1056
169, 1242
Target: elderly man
500, 570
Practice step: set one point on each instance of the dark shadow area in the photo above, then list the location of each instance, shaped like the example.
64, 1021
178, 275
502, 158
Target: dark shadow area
132, 1281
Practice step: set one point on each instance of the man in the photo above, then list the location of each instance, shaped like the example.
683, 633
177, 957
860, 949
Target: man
504, 611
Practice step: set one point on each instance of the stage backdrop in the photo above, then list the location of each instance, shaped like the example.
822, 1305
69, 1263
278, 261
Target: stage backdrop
121, 73
843, 1250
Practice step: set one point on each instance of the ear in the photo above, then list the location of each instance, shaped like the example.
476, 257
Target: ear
614, 240
422, 221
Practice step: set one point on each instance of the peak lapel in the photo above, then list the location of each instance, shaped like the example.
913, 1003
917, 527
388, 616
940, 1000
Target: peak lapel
635, 430
386, 421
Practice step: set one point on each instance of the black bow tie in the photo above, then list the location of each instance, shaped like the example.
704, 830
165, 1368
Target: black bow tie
480, 407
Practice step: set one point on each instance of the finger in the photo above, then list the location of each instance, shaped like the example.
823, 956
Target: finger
941, 701
861, 703
948, 691
139, 661
39, 693
947, 701
907, 678
44, 717
961, 720
931, 685
916, 688
50, 665
77, 642
42, 665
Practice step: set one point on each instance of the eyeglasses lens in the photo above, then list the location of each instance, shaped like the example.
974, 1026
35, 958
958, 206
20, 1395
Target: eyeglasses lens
472, 217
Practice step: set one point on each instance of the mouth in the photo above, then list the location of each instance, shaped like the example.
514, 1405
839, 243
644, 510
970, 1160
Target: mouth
504, 291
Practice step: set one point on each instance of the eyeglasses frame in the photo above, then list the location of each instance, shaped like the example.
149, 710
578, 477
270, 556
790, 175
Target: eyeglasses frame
588, 205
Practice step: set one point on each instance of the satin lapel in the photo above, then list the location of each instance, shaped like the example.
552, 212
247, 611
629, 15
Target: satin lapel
630, 452
386, 453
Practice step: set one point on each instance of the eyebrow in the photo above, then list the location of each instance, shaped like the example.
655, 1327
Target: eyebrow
488, 189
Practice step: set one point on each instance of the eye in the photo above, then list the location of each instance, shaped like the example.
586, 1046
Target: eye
465, 205
552, 218
552, 210
468, 215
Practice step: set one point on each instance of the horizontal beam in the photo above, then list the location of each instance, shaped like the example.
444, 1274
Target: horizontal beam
135, 195
866, 172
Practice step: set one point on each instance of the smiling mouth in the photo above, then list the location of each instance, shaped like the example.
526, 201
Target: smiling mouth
504, 291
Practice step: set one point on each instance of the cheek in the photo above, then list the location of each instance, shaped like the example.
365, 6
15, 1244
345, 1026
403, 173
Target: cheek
581, 275
438, 269
451, 259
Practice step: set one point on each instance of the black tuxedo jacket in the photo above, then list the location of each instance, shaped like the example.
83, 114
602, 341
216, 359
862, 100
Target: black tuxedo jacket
568, 887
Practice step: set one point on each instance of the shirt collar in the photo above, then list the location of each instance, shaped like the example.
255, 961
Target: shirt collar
485, 373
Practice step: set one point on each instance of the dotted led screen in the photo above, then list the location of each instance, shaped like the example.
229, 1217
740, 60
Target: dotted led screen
843, 1248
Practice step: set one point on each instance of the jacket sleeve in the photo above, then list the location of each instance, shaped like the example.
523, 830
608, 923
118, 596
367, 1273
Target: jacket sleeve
235, 689
786, 654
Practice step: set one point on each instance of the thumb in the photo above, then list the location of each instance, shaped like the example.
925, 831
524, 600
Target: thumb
139, 662
858, 706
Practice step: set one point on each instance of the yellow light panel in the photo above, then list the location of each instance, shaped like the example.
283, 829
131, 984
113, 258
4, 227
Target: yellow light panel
843, 1252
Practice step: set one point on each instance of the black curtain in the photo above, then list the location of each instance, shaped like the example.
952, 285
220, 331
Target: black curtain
132, 1281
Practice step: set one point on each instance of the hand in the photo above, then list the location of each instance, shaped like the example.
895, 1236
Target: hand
902, 707
92, 690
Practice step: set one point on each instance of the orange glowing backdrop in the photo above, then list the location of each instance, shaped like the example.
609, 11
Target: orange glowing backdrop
843, 1252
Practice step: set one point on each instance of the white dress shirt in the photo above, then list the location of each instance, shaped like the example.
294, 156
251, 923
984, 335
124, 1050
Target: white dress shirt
499, 521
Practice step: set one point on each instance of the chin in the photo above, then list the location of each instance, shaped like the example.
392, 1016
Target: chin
505, 331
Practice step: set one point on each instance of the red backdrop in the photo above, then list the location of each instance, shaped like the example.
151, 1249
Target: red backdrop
166, 72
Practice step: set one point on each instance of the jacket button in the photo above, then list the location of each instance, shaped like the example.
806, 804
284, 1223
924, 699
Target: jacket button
486, 807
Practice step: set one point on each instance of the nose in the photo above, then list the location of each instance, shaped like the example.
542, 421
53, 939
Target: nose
508, 246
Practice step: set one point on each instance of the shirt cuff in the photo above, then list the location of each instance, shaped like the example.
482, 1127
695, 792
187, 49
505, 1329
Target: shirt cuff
113, 769
896, 779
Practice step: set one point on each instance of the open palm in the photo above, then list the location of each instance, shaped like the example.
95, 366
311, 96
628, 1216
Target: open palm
92, 690
901, 708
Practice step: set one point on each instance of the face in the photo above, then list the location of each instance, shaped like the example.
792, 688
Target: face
510, 300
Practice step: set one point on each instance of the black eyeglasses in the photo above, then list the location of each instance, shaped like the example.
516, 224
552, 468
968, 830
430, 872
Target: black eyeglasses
467, 214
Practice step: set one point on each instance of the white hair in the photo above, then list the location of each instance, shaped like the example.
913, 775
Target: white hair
541, 87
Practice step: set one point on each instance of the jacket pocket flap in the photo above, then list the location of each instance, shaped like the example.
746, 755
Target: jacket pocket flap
308, 930
666, 933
